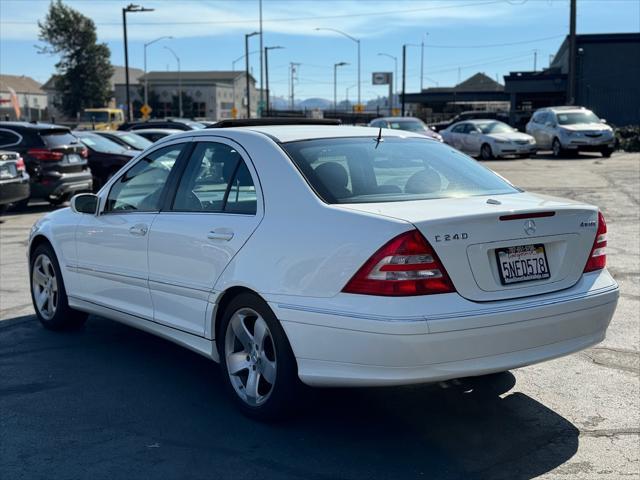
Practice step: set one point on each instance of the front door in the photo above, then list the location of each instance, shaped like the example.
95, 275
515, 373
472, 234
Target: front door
112, 263
215, 209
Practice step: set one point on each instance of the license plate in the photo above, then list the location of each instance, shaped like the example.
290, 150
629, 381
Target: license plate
73, 158
522, 263
8, 171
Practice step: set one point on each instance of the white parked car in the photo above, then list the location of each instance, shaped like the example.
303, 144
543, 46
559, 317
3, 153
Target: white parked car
488, 139
571, 129
335, 256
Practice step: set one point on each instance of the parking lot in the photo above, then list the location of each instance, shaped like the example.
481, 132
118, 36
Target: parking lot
111, 402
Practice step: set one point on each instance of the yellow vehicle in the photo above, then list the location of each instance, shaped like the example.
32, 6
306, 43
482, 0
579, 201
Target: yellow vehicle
101, 119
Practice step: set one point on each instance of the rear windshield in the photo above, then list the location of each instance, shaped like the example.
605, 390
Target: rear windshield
409, 125
136, 141
361, 170
58, 138
100, 144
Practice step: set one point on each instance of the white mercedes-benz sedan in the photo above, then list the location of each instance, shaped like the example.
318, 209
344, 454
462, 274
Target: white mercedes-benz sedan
330, 255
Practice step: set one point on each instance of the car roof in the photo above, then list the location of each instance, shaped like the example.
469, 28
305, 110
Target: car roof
33, 125
292, 133
397, 118
158, 130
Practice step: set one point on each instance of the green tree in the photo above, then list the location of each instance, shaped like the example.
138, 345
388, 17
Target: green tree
84, 70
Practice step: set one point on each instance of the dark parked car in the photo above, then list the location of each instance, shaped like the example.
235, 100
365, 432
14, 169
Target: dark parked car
472, 115
14, 180
129, 140
172, 123
105, 157
55, 160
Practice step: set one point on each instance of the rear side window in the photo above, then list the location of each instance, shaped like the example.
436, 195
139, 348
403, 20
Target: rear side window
8, 138
57, 138
361, 170
216, 180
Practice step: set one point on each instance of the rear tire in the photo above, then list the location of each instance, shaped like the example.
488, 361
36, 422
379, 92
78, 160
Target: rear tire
485, 152
259, 368
48, 293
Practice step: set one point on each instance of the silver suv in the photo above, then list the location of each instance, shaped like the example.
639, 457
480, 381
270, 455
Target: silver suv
570, 129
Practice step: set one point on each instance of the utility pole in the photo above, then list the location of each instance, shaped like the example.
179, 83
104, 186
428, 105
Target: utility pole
535, 60
293, 66
261, 60
422, 62
131, 8
246, 70
404, 76
571, 90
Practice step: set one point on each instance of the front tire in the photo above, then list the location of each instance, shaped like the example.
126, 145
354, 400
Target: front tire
48, 292
556, 148
606, 152
259, 368
485, 152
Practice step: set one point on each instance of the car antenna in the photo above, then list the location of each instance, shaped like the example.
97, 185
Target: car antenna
379, 138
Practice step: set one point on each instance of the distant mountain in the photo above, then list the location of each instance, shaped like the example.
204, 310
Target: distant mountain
313, 103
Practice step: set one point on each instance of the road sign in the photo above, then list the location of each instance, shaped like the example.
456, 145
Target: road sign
145, 110
395, 112
358, 108
234, 112
381, 78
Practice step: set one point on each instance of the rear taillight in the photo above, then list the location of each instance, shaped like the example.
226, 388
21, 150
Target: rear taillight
406, 265
20, 164
44, 154
598, 257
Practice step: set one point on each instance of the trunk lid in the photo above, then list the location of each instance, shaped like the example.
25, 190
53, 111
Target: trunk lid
467, 232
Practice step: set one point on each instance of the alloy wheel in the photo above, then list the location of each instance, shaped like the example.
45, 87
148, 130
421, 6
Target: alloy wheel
556, 148
45, 286
486, 152
250, 356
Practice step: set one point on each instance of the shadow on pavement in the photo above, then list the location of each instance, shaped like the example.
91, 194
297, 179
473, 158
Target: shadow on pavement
111, 402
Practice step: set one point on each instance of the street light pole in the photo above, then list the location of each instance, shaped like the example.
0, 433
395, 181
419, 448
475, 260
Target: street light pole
266, 74
181, 113
404, 75
357, 41
246, 73
131, 8
146, 82
335, 83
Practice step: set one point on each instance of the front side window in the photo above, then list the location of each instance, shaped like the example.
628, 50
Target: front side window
362, 170
216, 180
140, 188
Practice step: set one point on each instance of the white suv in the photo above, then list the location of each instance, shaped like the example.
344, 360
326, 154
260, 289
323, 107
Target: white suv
564, 129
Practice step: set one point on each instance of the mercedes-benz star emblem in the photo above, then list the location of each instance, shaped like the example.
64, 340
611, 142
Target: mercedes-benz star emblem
529, 227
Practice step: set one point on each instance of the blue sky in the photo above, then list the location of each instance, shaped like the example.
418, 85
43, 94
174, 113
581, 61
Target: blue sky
461, 36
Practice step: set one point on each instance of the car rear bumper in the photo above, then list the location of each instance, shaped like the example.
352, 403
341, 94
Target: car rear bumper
14, 190
62, 185
353, 349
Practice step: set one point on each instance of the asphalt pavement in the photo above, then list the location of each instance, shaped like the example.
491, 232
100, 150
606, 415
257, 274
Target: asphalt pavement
111, 402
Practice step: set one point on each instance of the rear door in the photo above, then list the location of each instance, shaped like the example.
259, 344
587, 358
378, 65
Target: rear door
112, 264
216, 207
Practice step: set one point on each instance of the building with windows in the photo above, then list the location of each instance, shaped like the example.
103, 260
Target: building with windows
211, 95
24, 92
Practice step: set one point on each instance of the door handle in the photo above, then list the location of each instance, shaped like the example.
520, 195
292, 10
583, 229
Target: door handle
139, 230
220, 235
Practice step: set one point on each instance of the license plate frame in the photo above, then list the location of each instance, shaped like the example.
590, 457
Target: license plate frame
531, 252
73, 158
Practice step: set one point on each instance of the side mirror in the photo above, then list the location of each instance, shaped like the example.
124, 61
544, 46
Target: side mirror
602, 120
85, 203
474, 132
